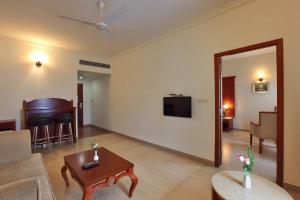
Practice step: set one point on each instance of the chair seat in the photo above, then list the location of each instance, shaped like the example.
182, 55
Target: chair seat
66, 118
40, 121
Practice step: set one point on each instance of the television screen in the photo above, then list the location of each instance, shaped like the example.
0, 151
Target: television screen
178, 106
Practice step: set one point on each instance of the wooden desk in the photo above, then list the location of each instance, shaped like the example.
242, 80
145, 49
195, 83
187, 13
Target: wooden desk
227, 124
50, 107
8, 125
229, 185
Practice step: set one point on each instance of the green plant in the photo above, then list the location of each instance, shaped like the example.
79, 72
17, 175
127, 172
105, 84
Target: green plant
247, 160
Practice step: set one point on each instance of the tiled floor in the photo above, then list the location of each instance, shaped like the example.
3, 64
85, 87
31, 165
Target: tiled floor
236, 142
90, 131
162, 175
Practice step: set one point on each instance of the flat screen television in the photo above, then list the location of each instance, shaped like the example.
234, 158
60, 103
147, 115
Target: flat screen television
178, 106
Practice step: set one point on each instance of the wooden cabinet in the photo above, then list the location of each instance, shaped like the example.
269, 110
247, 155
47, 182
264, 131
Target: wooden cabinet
8, 125
227, 124
50, 107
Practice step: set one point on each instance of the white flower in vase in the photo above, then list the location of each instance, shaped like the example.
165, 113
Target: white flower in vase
247, 161
241, 158
95, 147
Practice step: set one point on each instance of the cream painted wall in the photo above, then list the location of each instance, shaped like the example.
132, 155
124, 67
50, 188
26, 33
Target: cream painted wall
249, 104
100, 107
21, 80
183, 63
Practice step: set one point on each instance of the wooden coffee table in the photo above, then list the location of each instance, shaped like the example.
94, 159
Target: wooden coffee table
111, 168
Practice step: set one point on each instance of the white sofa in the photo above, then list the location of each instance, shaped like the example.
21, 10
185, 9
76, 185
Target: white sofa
23, 175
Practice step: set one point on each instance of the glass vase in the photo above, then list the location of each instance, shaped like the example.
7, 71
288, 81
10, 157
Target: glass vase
96, 157
247, 181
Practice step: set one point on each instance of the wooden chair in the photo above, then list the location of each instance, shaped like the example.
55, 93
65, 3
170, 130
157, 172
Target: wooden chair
265, 129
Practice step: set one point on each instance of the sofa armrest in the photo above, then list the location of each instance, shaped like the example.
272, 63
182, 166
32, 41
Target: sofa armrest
254, 129
26, 189
14, 145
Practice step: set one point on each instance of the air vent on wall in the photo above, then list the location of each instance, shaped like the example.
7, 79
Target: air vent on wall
94, 64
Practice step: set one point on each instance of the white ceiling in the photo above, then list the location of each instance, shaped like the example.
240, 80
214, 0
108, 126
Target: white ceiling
250, 53
37, 21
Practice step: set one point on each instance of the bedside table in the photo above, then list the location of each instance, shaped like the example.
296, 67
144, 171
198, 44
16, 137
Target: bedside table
227, 124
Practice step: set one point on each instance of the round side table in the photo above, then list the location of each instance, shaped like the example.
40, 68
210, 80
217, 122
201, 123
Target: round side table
229, 185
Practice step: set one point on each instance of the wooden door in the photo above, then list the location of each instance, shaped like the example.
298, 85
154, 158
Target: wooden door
80, 104
228, 95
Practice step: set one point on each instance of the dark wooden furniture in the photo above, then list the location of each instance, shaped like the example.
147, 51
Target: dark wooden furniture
215, 195
278, 43
227, 124
111, 168
228, 95
8, 125
50, 107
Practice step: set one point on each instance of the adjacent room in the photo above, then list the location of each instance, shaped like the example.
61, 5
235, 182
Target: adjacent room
249, 95
149, 100
92, 103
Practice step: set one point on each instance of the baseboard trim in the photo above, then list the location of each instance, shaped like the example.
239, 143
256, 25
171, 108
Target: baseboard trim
291, 187
239, 129
203, 160
100, 128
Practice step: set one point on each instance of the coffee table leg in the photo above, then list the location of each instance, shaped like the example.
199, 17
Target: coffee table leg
87, 193
134, 181
64, 175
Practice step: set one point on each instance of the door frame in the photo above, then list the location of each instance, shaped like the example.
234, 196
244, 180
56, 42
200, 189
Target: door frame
80, 123
278, 43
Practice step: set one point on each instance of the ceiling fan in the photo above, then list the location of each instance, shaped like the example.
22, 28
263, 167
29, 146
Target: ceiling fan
101, 25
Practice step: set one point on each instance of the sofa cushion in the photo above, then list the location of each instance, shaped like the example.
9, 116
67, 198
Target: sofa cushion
45, 188
31, 166
26, 189
14, 145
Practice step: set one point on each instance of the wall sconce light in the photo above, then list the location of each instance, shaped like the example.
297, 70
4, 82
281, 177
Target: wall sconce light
260, 76
226, 107
39, 58
38, 63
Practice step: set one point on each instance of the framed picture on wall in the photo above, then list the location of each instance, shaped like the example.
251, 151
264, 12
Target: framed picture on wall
261, 87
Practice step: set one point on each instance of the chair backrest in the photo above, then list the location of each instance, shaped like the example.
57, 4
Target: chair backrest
268, 125
14, 145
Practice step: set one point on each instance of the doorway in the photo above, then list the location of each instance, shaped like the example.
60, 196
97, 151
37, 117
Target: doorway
93, 103
278, 44
80, 104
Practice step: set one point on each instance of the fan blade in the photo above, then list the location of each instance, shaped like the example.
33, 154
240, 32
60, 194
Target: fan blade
107, 32
116, 15
76, 20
